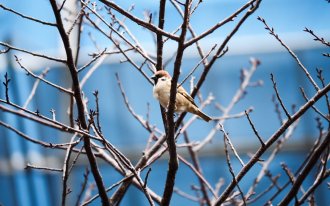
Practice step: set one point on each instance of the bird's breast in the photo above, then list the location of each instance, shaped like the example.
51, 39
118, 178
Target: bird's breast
162, 93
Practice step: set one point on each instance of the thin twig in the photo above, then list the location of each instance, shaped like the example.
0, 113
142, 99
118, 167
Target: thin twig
140, 22
199, 175
119, 48
290, 175
42, 79
320, 76
225, 140
96, 66
279, 97
271, 140
222, 129
272, 32
34, 88
317, 38
301, 177
220, 24
30, 166
199, 63
314, 108
6, 84
313, 187
254, 129
237, 97
93, 60
30, 139
265, 164
65, 174
136, 48
37, 117
195, 161
83, 187
26, 17
32, 53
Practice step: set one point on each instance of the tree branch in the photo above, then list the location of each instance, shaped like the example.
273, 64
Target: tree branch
80, 105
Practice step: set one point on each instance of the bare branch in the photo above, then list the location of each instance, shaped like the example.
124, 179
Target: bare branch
170, 126
34, 88
238, 95
42, 79
314, 108
93, 60
272, 32
30, 166
6, 84
65, 174
279, 97
225, 141
317, 38
254, 129
26, 17
220, 24
271, 140
301, 177
139, 21
83, 187
32, 53
199, 63
80, 105
28, 138
228, 141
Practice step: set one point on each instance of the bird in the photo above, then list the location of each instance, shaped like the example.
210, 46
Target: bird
183, 102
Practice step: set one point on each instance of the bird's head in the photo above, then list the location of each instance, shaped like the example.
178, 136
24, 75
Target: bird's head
161, 74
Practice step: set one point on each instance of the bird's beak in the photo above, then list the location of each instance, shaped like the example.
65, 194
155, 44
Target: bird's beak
153, 77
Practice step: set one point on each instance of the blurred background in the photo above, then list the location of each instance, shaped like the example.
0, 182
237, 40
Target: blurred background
19, 186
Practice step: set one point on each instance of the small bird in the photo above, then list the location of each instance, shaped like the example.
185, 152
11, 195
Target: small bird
183, 102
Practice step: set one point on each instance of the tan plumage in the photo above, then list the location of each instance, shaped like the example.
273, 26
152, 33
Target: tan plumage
184, 102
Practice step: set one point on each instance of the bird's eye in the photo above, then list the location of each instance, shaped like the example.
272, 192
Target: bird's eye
163, 79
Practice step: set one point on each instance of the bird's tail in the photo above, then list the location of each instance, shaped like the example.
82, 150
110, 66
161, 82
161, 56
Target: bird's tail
203, 116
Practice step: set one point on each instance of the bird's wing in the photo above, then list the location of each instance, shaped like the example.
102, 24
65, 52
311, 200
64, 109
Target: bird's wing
183, 92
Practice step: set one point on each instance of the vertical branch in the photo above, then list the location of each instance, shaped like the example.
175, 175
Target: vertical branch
6, 84
160, 43
96, 94
173, 162
83, 187
65, 175
80, 105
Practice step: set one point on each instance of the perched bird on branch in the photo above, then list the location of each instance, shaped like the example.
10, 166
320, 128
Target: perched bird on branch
183, 102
